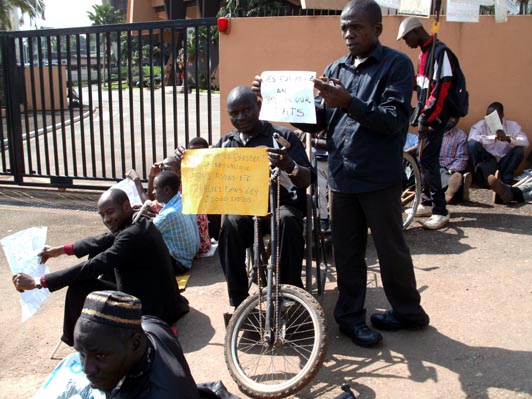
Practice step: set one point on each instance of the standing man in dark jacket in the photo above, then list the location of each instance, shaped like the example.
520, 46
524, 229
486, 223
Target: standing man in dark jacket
364, 105
135, 253
433, 81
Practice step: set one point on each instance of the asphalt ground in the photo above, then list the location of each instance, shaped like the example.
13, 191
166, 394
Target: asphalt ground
475, 278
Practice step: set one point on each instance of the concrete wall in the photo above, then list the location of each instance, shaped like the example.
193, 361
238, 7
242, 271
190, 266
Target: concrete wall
496, 58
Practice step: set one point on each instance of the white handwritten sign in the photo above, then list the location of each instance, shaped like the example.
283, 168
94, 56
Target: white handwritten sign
288, 96
21, 251
420, 8
462, 11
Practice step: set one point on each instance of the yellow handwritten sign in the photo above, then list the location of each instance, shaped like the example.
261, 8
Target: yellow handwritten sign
231, 181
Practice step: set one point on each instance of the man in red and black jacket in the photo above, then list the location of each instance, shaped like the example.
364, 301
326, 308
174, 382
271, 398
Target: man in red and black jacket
433, 81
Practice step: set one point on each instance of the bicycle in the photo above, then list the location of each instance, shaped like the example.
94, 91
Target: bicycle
276, 339
411, 195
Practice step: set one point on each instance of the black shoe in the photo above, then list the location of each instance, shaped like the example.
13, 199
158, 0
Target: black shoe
362, 335
388, 322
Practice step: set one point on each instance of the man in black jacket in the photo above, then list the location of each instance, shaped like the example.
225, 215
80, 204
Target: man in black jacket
135, 254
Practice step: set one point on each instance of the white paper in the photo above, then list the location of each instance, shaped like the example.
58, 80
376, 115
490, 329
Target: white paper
420, 8
21, 251
494, 122
501, 11
288, 96
462, 11
389, 3
68, 381
128, 186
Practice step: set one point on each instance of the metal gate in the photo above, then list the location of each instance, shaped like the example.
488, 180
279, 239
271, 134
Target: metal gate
81, 106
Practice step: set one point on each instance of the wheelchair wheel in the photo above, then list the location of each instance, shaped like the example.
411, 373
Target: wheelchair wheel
411, 196
286, 363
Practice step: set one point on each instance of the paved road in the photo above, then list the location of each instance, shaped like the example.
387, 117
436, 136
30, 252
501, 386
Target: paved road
141, 131
475, 277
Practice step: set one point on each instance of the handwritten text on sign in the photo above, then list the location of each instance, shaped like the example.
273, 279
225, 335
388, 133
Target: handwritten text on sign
288, 96
231, 181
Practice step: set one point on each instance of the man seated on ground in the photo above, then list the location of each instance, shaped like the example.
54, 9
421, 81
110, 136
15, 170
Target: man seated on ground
506, 193
453, 163
127, 355
180, 232
174, 165
236, 233
501, 151
133, 253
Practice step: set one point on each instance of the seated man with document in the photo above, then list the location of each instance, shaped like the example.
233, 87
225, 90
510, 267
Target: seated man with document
496, 143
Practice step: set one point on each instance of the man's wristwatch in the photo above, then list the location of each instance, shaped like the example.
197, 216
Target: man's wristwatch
295, 170
37, 282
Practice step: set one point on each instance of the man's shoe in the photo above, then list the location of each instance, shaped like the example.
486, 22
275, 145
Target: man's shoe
504, 191
455, 182
436, 222
422, 210
388, 322
324, 226
467, 181
362, 335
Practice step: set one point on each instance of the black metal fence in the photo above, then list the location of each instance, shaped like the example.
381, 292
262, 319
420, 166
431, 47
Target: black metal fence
81, 106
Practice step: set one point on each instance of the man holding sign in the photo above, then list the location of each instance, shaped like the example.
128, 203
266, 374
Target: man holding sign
364, 105
237, 231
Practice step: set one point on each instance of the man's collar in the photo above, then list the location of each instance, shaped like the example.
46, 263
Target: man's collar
428, 42
375, 53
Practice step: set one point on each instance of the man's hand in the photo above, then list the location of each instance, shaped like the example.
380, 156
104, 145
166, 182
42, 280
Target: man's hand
501, 136
179, 153
256, 84
23, 282
333, 92
278, 157
133, 175
50, 252
155, 169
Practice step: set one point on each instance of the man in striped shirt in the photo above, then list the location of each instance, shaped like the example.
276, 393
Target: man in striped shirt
453, 163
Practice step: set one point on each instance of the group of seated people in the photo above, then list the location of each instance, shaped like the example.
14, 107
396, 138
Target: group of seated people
140, 256
477, 158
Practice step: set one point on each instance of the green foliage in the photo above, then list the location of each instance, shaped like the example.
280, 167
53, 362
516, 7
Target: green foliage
253, 8
33, 8
105, 14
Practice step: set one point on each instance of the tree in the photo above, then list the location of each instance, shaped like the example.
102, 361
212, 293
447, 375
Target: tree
105, 14
34, 9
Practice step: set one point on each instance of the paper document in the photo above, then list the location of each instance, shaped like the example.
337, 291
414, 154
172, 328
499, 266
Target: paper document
68, 381
128, 186
21, 251
288, 96
494, 122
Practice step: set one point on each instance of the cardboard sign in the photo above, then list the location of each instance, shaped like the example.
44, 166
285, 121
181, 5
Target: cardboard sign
230, 181
288, 96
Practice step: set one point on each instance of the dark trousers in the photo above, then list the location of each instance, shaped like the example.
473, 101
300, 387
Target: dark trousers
506, 165
75, 298
236, 235
429, 162
351, 215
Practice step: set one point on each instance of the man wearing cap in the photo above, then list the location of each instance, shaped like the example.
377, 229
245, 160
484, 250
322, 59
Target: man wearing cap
430, 115
133, 254
128, 355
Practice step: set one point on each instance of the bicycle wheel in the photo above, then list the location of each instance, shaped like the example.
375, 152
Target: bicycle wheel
411, 196
283, 365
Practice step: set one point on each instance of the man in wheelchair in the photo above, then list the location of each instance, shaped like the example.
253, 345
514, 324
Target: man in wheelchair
296, 174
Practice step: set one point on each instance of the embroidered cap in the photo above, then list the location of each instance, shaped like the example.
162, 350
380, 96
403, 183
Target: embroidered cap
113, 308
408, 24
